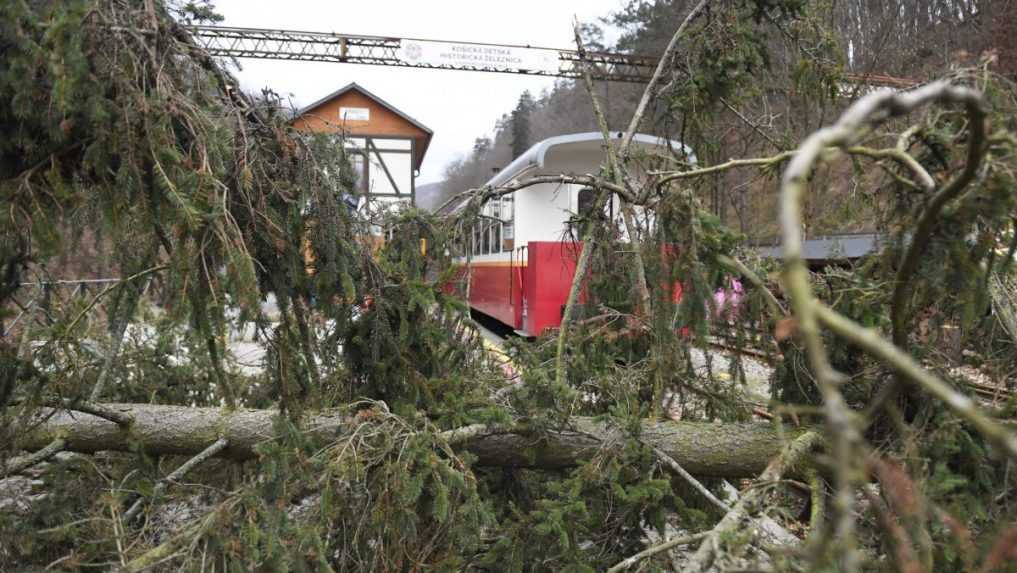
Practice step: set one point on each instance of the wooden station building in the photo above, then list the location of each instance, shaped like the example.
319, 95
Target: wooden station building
386, 146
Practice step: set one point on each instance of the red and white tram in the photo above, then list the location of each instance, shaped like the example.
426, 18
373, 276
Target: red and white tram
521, 266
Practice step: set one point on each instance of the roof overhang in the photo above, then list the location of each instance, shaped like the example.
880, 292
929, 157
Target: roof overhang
536, 157
424, 141
535, 160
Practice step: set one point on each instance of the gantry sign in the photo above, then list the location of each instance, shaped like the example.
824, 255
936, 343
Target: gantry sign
416, 53
293, 45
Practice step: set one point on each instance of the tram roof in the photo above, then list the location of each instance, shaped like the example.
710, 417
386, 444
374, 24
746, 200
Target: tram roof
536, 156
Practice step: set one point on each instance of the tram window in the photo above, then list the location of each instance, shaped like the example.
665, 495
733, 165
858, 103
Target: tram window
508, 213
496, 237
476, 240
486, 249
508, 237
585, 201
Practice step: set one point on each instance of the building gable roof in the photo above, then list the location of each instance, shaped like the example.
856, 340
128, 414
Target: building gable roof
363, 90
424, 141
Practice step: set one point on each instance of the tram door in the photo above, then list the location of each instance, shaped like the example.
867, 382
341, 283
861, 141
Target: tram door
517, 278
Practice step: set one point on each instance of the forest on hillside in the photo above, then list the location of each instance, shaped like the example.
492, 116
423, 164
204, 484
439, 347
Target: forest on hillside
846, 418
758, 102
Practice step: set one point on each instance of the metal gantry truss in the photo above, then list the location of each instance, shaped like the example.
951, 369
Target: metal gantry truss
385, 51
229, 42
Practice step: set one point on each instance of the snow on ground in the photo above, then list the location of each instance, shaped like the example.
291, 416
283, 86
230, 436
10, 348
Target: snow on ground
757, 372
249, 356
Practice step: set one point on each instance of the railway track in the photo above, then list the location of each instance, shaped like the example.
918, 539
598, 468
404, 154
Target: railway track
494, 335
744, 351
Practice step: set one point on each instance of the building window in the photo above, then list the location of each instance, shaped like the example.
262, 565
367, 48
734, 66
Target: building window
359, 173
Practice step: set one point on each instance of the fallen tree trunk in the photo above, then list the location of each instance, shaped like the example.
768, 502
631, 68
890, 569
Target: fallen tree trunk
716, 450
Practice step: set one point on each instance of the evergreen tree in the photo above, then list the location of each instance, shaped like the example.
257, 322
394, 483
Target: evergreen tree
379, 436
520, 124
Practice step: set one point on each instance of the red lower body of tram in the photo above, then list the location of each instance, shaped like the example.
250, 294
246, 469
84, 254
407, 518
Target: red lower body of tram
529, 290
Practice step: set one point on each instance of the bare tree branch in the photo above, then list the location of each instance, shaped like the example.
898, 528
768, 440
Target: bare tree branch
101, 410
777, 310
216, 447
748, 502
585, 255
676, 468
658, 73
563, 179
22, 463
650, 552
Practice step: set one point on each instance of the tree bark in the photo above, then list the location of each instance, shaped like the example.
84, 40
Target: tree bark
705, 449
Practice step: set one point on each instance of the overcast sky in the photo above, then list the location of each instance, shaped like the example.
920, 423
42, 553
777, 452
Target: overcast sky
457, 106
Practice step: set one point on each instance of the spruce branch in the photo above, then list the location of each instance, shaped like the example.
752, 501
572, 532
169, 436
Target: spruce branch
585, 256
102, 294
911, 371
619, 173
177, 542
118, 326
582, 269
941, 92
866, 113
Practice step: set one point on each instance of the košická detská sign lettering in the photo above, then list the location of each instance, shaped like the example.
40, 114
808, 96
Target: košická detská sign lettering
501, 58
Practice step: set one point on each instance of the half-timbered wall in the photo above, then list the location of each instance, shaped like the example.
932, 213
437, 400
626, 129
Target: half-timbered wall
385, 145
384, 166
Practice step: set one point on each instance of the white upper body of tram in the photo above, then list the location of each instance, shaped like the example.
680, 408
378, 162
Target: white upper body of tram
541, 212
521, 260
